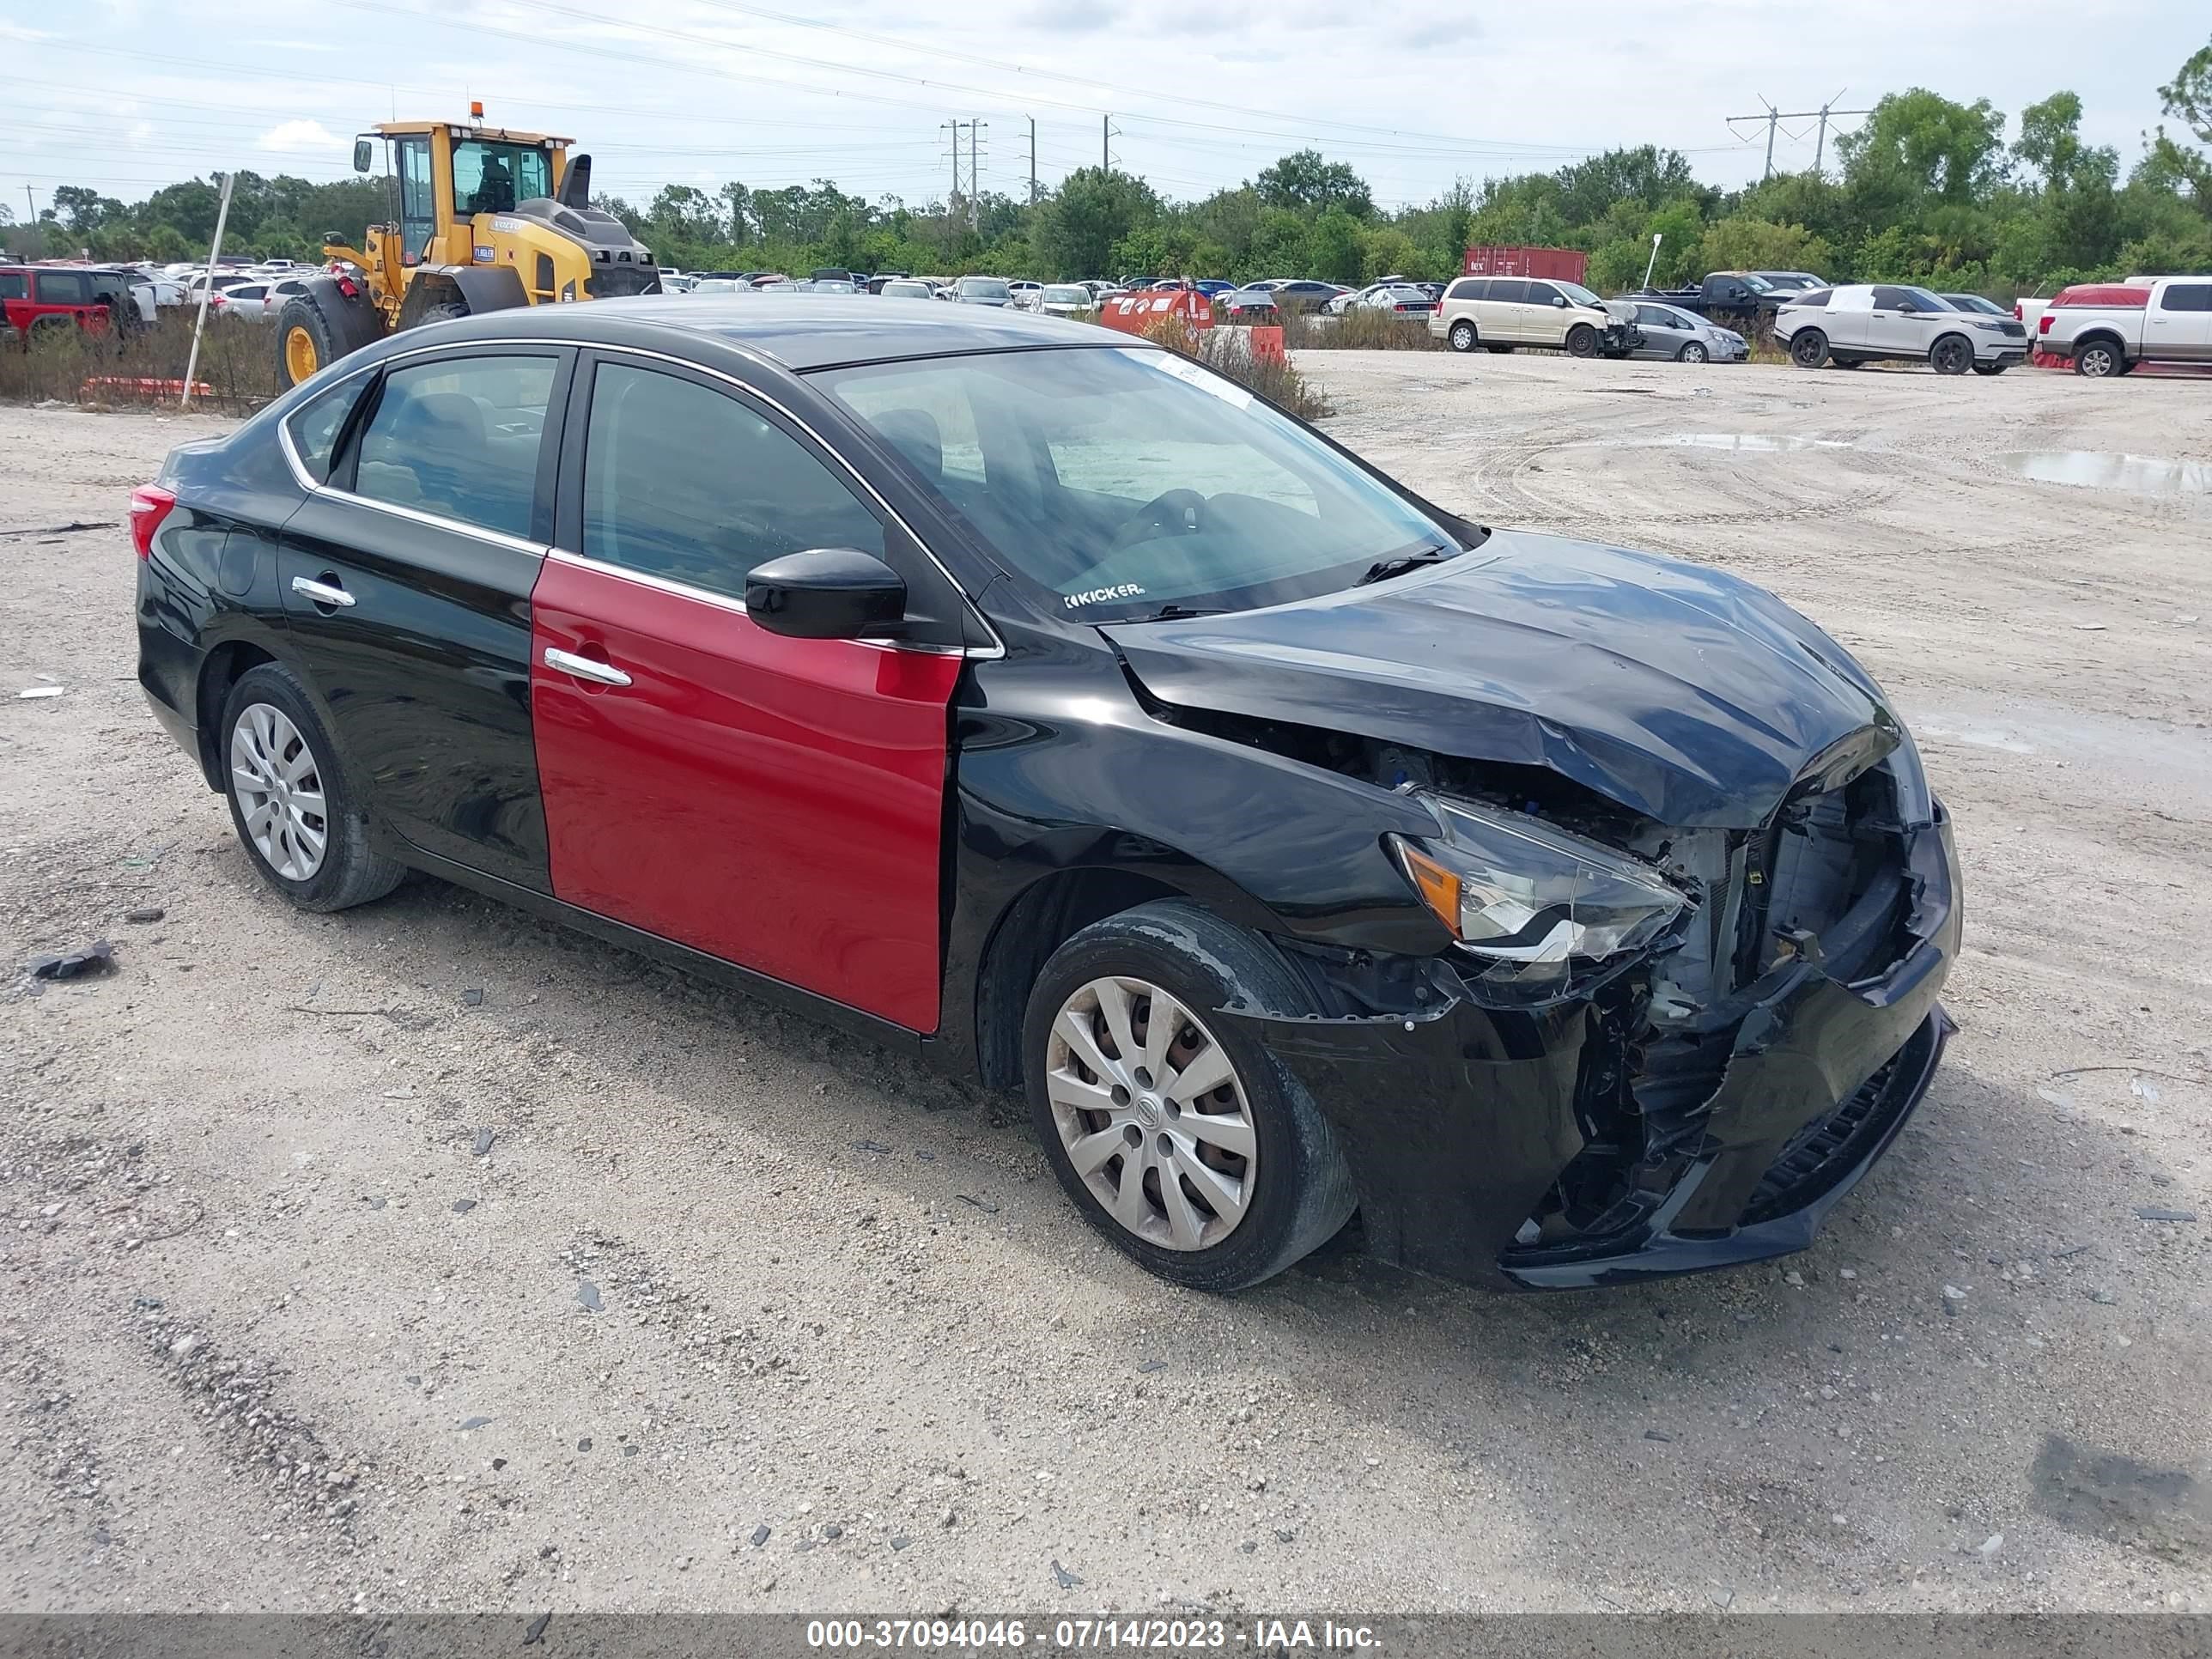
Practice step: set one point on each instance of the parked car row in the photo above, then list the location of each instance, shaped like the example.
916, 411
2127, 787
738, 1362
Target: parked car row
1855, 323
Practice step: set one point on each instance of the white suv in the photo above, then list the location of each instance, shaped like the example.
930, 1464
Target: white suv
1859, 322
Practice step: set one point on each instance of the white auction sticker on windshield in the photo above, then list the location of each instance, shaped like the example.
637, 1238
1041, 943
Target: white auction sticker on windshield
1169, 363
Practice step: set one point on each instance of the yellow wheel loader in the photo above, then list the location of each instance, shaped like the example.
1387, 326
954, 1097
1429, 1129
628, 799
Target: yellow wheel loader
486, 219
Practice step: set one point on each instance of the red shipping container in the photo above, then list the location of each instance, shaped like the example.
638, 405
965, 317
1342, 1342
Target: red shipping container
1564, 264
1133, 314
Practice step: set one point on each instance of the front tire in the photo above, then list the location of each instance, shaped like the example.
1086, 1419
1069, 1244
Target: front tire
1582, 341
1461, 336
1500, 350
1179, 1137
1991, 368
1952, 355
1808, 348
289, 801
1693, 353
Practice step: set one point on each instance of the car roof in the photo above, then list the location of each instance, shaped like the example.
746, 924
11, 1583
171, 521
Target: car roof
800, 332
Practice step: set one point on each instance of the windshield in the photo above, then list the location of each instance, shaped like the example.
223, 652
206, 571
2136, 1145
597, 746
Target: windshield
906, 290
1115, 483
1068, 296
983, 288
1578, 293
1756, 283
489, 177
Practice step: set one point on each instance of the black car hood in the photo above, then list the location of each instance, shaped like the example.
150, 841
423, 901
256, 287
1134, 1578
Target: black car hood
1680, 691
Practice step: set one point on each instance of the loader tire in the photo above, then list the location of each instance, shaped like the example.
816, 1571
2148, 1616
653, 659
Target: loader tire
311, 336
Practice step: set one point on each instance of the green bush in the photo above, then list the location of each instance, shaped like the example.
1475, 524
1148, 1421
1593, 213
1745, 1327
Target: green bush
237, 365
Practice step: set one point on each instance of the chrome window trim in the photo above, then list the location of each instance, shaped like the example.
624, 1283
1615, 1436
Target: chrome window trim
991, 653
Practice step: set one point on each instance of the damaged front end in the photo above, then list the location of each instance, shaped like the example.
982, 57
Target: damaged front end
1674, 1053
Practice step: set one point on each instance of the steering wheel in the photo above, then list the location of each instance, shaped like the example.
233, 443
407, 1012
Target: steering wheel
1163, 514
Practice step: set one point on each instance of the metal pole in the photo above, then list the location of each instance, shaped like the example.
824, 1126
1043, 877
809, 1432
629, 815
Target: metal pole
1820, 148
976, 131
955, 196
1033, 191
1771, 118
1653, 260
215, 253
1105, 139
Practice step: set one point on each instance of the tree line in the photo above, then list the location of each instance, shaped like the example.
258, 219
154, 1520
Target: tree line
1927, 190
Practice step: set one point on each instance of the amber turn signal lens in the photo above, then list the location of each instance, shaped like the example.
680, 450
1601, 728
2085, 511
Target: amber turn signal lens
1437, 886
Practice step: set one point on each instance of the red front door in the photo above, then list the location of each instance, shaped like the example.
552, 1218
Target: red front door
772, 801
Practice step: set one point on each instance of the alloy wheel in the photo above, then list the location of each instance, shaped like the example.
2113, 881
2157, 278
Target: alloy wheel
1462, 336
1953, 356
1693, 353
2096, 361
279, 785
1152, 1113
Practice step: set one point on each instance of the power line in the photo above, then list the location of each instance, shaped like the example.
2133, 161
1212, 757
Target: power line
1774, 118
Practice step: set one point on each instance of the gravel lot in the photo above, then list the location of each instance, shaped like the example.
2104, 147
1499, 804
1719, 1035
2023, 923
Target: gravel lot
428, 1257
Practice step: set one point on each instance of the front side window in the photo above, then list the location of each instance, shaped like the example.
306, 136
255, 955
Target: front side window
1116, 482
459, 438
691, 484
1539, 293
60, 287
491, 177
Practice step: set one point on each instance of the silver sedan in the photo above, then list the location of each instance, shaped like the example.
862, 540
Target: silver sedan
1673, 335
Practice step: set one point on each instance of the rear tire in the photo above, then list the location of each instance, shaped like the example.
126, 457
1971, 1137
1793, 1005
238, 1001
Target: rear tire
317, 328
1582, 341
1461, 336
2100, 360
1500, 350
1808, 348
1288, 1191
289, 800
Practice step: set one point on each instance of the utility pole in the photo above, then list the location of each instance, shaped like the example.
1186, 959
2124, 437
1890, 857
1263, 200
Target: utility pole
1033, 189
976, 131
1106, 144
1774, 118
954, 198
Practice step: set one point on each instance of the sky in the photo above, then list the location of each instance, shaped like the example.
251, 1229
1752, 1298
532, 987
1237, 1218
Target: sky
126, 95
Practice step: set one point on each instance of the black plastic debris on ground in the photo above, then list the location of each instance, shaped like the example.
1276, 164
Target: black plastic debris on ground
97, 957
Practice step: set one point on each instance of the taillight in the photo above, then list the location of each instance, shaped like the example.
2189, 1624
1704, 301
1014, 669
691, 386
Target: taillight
2018, 315
149, 505
2044, 326
348, 288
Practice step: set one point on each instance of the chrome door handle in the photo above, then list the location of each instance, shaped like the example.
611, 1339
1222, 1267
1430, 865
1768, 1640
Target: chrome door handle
321, 593
584, 668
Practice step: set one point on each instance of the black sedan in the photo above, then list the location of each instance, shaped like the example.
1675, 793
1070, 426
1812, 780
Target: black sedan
1032, 699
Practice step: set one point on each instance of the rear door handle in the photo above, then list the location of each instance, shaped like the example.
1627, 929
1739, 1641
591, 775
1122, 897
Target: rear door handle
321, 593
584, 668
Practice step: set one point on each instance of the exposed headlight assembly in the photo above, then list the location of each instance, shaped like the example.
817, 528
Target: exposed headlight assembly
1514, 891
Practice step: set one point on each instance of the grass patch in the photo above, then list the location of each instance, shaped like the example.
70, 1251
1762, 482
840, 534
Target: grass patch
1358, 331
237, 367
1228, 352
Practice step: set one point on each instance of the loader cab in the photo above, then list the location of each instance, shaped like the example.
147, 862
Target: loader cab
447, 174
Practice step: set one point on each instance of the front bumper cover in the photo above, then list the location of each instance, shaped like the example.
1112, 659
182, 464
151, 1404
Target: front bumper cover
1458, 1118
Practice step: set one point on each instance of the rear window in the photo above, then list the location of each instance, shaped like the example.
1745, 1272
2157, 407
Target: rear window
2186, 296
1818, 296
2104, 293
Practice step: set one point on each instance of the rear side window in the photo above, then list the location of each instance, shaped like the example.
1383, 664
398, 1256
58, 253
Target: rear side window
11, 285
459, 438
313, 426
2186, 296
687, 484
1468, 288
60, 287
1510, 290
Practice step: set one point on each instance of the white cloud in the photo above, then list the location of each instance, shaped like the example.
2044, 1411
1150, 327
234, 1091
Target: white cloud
299, 136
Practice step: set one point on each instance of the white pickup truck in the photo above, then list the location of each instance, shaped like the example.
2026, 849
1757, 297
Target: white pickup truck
2107, 328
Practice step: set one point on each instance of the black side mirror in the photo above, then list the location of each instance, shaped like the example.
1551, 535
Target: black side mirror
363, 153
827, 593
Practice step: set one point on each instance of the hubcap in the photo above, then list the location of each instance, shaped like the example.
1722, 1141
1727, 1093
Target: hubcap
279, 788
1152, 1113
299, 354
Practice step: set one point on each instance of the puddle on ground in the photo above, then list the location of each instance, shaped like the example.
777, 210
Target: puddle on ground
2088, 469
2105, 1495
